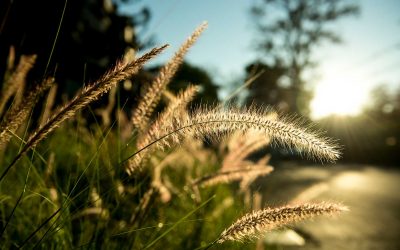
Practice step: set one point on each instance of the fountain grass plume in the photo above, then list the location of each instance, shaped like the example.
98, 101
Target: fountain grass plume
92, 92
176, 105
256, 223
18, 113
153, 92
232, 175
211, 122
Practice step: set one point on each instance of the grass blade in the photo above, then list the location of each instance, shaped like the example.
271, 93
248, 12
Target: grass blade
178, 222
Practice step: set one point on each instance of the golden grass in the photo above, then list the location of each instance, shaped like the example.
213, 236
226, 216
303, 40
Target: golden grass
89, 94
253, 224
153, 92
177, 105
206, 121
17, 114
16, 83
233, 175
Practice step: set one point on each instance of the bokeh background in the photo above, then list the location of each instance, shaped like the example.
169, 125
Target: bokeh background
333, 62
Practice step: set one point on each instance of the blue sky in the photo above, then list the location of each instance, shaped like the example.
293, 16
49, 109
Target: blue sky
224, 48
369, 55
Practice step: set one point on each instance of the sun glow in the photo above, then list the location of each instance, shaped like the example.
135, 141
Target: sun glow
343, 95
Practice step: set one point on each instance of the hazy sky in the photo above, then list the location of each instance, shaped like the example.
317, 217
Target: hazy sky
369, 55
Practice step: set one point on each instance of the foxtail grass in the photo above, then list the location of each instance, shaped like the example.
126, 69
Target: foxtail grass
153, 92
254, 224
177, 105
17, 114
16, 83
206, 121
93, 92
242, 146
50, 100
232, 175
89, 94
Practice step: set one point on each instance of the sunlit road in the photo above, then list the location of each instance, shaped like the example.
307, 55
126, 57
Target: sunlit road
371, 193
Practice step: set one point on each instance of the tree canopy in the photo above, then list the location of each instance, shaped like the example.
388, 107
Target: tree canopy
290, 31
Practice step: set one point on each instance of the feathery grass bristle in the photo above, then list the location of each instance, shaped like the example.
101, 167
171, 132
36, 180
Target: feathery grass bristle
232, 175
92, 92
153, 92
89, 94
16, 83
17, 114
206, 121
177, 105
254, 224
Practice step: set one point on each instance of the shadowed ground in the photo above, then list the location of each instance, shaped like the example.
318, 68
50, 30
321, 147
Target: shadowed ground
371, 193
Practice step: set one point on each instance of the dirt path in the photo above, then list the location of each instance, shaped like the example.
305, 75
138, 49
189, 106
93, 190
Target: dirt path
371, 193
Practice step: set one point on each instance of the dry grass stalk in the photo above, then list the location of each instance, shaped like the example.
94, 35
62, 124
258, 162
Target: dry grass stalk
95, 198
162, 190
52, 190
179, 103
19, 113
257, 201
51, 97
125, 125
16, 83
254, 224
232, 175
168, 96
264, 160
89, 94
158, 184
245, 183
143, 205
153, 92
222, 207
211, 122
185, 157
98, 212
310, 193
10, 60
171, 158
50, 166
243, 147
105, 112
281, 131
194, 147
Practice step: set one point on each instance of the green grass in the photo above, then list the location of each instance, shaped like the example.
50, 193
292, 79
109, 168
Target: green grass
85, 160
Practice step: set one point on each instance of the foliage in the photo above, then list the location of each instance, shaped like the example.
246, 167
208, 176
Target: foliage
289, 33
378, 141
76, 41
188, 73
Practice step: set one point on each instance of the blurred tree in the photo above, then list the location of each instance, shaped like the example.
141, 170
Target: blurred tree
384, 103
92, 35
289, 32
373, 136
190, 74
266, 89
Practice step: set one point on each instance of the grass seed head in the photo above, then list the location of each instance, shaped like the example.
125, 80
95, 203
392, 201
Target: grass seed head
254, 224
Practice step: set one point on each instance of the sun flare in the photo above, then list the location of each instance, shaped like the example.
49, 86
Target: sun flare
338, 95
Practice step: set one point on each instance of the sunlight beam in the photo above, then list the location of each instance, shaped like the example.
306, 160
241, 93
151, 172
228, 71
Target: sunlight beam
341, 95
